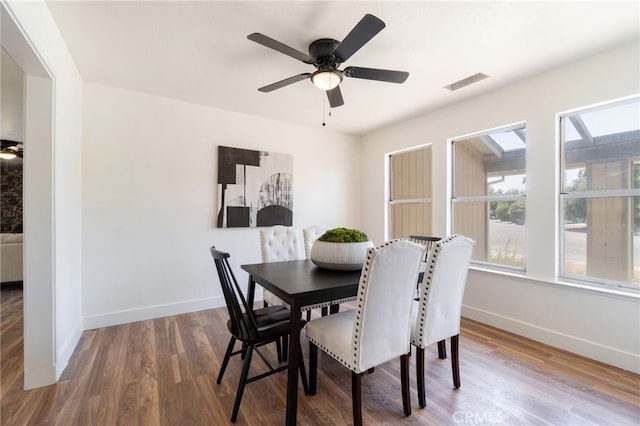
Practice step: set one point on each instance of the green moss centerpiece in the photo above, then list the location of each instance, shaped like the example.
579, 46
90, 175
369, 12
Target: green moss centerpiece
342, 249
344, 235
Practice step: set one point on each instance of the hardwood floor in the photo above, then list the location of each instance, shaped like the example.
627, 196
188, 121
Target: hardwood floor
163, 372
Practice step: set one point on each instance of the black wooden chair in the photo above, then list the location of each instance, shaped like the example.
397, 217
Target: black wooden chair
253, 328
428, 242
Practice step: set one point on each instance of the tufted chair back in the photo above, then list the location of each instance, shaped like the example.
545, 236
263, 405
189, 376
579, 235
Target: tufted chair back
378, 330
382, 328
441, 292
311, 234
280, 243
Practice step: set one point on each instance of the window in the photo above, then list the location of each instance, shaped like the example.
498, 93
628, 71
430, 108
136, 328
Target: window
489, 186
410, 193
600, 195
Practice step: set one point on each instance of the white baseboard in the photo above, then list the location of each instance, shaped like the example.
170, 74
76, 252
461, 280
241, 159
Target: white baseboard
67, 349
150, 312
608, 355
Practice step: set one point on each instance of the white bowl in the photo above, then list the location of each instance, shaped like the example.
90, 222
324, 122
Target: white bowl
339, 256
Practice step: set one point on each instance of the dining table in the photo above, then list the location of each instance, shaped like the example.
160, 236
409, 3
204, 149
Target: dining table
300, 283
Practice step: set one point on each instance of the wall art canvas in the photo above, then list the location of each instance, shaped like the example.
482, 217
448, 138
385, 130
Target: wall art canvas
254, 188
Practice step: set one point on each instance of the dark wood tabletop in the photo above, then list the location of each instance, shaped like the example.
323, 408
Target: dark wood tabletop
304, 281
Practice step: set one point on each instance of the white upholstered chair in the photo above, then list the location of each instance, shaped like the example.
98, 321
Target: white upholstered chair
310, 235
278, 244
379, 329
436, 316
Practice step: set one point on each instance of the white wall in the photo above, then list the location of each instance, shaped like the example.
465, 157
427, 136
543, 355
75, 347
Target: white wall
150, 195
599, 325
12, 99
52, 189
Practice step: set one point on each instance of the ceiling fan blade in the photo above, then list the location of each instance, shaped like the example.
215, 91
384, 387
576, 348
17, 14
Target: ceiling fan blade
364, 31
335, 97
285, 82
280, 47
5, 143
376, 74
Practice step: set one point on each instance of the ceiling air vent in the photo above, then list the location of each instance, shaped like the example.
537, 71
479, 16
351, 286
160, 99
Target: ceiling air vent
466, 81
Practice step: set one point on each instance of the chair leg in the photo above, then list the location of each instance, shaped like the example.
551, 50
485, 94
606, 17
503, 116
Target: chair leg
244, 350
420, 376
285, 348
334, 309
455, 361
309, 315
404, 380
442, 349
313, 368
356, 395
225, 361
324, 311
243, 381
279, 350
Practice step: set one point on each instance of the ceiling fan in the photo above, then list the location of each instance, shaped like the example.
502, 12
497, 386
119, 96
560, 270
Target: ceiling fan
11, 149
327, 55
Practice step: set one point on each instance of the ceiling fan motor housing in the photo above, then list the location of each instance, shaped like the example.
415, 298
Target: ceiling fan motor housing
321, 51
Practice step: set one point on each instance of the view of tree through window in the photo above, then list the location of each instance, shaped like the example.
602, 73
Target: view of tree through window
600, 209
489, 186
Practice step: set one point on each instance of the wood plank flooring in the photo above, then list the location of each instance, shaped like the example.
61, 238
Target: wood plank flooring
163, 372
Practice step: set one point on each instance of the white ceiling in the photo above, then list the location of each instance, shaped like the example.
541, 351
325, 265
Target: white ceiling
198, 51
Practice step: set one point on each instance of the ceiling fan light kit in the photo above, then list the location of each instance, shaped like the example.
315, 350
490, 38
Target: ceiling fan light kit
326, 79
7, 154
327, 55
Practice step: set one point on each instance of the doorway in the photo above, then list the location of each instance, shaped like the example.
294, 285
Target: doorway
38, 217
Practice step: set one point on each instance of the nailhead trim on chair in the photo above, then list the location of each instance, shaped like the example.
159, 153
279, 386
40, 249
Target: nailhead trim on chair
425, 288
325, 304
351, 365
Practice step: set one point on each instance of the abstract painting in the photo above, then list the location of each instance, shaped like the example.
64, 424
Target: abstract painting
254, 188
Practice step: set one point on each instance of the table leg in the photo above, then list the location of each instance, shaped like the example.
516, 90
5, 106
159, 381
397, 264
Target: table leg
294, 360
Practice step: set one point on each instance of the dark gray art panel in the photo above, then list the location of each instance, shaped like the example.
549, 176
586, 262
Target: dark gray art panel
254, 188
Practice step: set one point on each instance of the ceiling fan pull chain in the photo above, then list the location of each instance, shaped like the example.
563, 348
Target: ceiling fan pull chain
324, 105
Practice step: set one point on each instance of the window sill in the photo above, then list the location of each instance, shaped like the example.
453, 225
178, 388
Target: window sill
586, 288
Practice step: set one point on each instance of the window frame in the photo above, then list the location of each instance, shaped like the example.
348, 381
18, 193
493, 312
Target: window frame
520, 129
391, 202
564, 195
